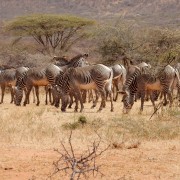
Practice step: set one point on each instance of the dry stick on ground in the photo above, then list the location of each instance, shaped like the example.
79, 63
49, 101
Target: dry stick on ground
79, 165
157, 108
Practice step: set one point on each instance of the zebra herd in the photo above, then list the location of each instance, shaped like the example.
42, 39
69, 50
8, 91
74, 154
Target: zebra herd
73, 80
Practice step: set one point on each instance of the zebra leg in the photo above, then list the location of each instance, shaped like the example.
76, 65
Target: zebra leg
111, 100
178, 92
103, 99
12, 94
37, 95
165, 99
50, 95
169, 94
84, 94
54, 95
147, 95
153, 101
142, 100
34, 99
96, 100
90, 96
80, 99
71, 101
76, 102
2, 91
116, 88
29, 88
46, 91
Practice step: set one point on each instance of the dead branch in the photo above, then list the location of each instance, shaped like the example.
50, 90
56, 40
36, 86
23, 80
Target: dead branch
75, 165
157, 108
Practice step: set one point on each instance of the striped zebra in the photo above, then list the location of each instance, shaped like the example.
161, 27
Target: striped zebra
43, 77
7, 79
32, 78
177, 68
77, 61
97, 77
139, 82
35, 77
119, 78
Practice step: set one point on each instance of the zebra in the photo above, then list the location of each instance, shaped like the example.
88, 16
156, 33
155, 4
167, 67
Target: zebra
64, 64
119, 76
77, 61
97, 77
171, 77
35, 77
43, 77
142, 82
7, 79
177, 68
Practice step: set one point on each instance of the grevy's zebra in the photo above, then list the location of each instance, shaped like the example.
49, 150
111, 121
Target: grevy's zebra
119, 78
97, 77
43, 76
35, 77
142, 82
7, 79
177, 67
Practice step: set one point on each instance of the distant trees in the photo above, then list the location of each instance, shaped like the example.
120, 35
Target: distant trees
148, 44
160, 44
50, 31
117, 40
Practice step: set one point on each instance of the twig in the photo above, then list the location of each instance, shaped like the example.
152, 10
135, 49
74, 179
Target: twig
74, 165
158, 107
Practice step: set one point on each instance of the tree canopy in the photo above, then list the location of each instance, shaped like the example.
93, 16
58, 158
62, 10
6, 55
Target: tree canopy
49, 30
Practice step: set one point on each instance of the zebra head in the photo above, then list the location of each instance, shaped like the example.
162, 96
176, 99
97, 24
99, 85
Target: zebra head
79, 61
127, 102
18, 94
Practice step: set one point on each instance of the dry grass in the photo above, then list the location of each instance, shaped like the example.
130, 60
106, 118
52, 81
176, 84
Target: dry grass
43, 128
44, 124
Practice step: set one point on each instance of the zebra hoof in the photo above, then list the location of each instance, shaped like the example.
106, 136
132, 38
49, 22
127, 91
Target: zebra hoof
164, 104
92, 107
140, 112
99, 110
112, 110
56, 105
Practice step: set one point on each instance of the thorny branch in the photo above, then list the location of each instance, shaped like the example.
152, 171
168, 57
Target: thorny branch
75, 165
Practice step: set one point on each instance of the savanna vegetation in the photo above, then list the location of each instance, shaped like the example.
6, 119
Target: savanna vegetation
106, 42
133, 146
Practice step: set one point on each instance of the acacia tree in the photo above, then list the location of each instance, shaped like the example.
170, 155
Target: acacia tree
49, 30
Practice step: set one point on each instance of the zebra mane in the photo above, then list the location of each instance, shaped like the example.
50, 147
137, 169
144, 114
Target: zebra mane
76, 58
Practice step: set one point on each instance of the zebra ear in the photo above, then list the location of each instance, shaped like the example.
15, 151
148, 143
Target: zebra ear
86, 55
